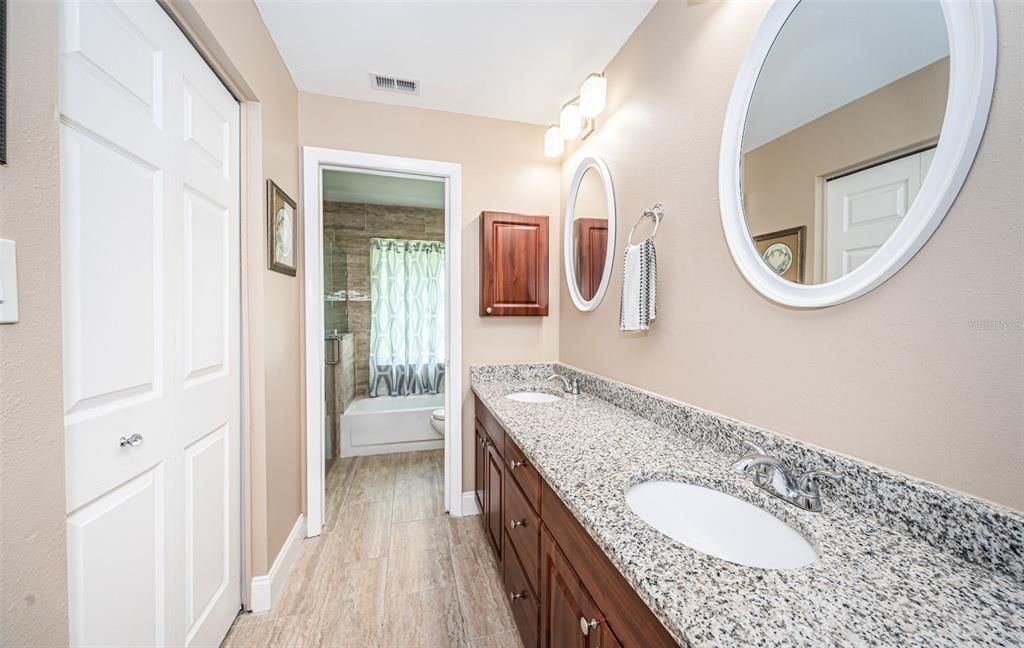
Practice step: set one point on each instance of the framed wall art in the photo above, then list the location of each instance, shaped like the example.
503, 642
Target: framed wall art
280, 230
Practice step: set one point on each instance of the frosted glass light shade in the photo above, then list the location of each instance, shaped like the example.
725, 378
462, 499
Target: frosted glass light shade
592, 95
553, 142
571, 121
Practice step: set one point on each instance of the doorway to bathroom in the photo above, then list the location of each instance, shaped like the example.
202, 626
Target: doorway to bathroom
383, 334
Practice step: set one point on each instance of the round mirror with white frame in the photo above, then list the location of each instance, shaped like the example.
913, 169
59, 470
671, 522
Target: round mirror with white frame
851, 128
589, 233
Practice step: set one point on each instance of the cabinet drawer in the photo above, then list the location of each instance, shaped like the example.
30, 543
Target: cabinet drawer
525, 605
522, 528
494, 430
526, 475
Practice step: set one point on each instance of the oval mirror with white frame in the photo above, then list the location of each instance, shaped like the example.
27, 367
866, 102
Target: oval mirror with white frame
851, 128
589, 233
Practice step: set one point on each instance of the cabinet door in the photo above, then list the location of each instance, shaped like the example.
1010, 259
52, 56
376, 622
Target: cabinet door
514, 264
480, 458
592, 246
569, 616
493, 496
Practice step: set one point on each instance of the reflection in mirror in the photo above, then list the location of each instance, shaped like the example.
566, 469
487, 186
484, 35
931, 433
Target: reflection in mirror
590, 234
841, 130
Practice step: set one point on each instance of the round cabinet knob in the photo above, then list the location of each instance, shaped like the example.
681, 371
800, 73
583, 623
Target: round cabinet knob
518, 464
514, 596
587, 626
488, 311
134, 441
517, 523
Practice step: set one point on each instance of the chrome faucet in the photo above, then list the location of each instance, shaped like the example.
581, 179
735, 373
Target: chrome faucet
770, 474
568, 387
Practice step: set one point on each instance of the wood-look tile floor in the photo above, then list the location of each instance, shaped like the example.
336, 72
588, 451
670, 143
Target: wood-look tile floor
390, 570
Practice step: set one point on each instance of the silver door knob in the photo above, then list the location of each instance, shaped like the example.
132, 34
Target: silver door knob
514, 596
488, 311
587, 626
517, 523
517, 464
133, 441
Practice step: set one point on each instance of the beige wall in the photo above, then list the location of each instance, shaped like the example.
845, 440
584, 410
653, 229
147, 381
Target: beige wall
503, 168
781, 177
911, 376
33, 567
277, 452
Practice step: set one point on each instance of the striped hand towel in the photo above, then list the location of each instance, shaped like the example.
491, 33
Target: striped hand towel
639, 287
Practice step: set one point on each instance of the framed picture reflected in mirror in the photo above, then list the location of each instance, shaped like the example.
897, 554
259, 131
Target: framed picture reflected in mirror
783, 252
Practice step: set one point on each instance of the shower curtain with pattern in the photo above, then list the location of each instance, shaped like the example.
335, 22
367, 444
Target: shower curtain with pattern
406, 317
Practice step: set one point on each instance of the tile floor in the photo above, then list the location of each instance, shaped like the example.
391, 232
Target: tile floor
391, 569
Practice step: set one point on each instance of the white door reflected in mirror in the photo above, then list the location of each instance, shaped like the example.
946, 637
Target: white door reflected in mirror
850, 131
589, 233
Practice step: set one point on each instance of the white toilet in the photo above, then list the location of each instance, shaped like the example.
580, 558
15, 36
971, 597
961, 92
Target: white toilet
437, 421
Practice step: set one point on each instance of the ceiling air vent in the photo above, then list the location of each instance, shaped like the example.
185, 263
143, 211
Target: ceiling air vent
394, 84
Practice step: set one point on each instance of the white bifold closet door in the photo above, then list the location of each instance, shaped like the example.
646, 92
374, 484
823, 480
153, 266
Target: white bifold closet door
149, 182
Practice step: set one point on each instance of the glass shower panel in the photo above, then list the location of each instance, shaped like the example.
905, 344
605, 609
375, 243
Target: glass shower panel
335, 284
339, 362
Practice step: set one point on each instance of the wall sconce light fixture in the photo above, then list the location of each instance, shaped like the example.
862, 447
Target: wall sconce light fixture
553, 142
593, 93
576, 117
570, 120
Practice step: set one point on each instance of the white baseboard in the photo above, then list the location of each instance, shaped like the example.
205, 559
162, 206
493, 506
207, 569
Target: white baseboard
469, 505
267, 590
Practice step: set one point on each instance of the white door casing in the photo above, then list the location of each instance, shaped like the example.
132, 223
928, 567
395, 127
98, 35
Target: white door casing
149, 170
863, 209
314, 160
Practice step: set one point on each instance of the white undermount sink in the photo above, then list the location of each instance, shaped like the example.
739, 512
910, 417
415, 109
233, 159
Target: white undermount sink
533, 397
720, 525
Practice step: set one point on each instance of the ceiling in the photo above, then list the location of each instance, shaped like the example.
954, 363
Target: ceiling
508, 60
383, 189
830, 53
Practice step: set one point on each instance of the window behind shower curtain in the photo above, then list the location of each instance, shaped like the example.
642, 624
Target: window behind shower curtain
406, 317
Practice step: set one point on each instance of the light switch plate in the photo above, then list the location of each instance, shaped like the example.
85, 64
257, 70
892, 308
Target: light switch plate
8, 282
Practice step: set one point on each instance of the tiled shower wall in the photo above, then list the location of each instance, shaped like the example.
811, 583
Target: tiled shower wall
348, 228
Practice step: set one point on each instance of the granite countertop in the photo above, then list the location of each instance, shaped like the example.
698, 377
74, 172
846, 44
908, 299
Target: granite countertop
869, 586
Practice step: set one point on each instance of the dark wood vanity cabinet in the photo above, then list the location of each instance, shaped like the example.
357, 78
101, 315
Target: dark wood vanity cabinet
513, 264
563, 590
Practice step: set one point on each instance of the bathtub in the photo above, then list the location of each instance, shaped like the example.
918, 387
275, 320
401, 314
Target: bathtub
390, 424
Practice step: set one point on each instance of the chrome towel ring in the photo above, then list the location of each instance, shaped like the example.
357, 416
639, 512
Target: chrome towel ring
655, 213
